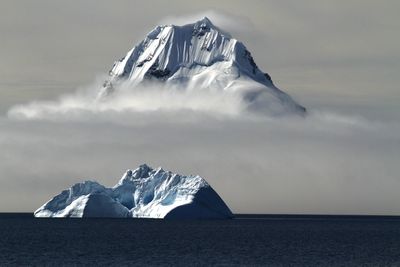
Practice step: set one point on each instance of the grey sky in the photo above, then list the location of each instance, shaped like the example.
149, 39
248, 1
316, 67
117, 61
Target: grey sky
340, 57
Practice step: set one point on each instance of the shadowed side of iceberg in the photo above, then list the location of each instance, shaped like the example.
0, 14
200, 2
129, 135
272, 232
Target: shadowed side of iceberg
207, 204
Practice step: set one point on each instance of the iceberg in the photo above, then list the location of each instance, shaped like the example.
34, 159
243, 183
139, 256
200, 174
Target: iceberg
142, 193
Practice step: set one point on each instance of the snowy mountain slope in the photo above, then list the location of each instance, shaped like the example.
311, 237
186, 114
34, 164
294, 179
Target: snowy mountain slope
142, 193
199, 56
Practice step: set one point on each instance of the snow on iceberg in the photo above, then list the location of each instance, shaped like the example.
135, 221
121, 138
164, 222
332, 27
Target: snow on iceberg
141, 193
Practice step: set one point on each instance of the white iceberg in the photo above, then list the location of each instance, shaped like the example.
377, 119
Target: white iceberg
142, 193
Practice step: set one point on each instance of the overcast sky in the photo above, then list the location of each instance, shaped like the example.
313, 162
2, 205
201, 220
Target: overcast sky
340, 59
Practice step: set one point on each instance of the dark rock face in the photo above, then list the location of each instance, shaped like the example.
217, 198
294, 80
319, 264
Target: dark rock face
155, 73
158, 74
266, 75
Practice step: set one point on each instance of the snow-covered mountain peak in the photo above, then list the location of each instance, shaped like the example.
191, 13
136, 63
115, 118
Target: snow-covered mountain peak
205, 22
197, 28
205, 25
170, 49
198, 56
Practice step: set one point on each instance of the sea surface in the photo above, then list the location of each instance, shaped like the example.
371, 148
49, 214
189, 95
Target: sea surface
271, 240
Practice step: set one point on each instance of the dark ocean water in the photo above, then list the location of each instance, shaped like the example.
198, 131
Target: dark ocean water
246, 241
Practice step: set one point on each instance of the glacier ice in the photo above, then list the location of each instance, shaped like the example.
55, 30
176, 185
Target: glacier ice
141, 193
199, 56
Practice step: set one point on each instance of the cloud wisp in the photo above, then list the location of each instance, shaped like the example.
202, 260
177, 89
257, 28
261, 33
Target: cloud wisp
143, 98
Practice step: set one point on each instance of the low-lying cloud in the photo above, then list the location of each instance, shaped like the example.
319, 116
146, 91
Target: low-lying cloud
242, 99
144, 98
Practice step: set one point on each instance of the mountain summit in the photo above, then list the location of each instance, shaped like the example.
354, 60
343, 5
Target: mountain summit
199, 56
